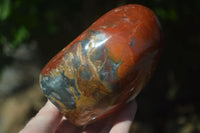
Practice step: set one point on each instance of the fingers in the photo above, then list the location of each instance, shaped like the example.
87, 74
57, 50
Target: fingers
124, 119
46, 121
119, 122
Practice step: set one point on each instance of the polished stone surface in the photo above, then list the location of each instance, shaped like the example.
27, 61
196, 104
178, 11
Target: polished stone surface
106, 66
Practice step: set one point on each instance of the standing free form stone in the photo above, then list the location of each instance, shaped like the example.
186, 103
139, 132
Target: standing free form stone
106, 66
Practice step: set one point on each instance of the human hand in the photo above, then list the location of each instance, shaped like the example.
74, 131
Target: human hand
50, 120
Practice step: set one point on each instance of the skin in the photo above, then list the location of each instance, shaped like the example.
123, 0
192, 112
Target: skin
50, 120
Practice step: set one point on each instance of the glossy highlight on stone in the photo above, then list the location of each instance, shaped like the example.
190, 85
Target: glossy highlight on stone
106, 66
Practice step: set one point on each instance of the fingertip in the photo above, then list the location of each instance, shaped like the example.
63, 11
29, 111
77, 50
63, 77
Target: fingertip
125, 118
46, 121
